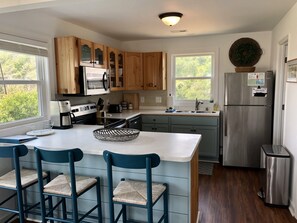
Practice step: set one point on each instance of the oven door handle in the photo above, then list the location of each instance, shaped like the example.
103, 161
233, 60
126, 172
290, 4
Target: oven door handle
121, 125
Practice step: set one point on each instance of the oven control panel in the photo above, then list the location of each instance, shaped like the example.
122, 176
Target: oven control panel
85, 109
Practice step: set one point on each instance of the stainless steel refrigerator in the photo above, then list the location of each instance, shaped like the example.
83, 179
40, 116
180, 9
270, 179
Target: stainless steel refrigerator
248, 110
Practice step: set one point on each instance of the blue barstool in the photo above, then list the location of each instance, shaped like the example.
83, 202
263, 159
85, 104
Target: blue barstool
18, 180
144, 194
69, 187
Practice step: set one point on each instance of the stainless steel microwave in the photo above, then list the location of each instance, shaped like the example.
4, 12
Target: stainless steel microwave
93, 81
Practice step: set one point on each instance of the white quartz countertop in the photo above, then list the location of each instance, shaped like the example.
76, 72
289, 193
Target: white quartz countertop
176, 147
127, 114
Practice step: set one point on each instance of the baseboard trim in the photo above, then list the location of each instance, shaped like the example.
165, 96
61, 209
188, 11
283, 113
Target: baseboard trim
199, 217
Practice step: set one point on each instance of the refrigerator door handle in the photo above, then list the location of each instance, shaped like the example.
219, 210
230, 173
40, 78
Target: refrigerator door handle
226, 119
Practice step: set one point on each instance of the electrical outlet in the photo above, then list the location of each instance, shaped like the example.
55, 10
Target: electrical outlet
158, 100
142, 99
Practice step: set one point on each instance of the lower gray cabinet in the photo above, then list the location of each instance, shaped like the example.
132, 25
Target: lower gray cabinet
207, 126
208, 147
155, 123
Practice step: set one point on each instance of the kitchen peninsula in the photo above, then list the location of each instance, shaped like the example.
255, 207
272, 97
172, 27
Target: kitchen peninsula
178, 167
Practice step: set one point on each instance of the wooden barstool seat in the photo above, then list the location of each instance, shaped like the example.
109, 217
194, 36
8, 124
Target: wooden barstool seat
18, 180
135, 192
69, 187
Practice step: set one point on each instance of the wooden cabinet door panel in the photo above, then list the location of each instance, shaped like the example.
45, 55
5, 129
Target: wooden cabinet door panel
85, 49
133, 71
100, 55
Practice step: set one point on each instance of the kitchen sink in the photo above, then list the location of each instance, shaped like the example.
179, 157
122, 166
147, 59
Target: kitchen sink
193, 111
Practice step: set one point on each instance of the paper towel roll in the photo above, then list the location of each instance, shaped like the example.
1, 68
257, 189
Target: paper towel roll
170, 101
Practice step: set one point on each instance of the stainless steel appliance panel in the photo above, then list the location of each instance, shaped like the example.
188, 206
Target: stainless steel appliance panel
237, 91
246, 129
94, 81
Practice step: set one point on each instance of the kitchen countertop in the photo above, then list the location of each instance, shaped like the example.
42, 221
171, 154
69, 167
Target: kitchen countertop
176, 147
127, 114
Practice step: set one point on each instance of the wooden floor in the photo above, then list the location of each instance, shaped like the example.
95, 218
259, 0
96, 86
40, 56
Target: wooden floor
230, 196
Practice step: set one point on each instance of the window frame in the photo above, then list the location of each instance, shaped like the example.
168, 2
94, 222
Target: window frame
42, 69
213, 78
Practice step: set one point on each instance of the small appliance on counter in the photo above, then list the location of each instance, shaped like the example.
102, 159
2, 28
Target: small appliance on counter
60, 113
115, 108
101, 113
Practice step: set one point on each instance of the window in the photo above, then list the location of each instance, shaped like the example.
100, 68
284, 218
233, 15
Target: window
193, 77
22, 70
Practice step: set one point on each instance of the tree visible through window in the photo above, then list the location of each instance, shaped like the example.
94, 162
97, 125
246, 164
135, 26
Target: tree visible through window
20, 85
193, 77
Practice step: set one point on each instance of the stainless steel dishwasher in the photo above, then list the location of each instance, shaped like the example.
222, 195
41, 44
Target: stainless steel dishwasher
134, 123
275, 165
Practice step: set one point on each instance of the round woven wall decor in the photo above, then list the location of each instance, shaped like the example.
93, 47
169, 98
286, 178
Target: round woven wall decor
244, 53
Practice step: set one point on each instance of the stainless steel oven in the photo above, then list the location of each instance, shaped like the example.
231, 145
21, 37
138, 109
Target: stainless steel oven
86, 115
93, 81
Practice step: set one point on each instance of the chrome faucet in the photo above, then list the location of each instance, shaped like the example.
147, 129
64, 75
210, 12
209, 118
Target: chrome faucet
197, 103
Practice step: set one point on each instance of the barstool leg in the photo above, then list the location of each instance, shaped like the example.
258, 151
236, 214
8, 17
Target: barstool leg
74, 209
99, 208
124, 209
20, 205
64, 209
166, 205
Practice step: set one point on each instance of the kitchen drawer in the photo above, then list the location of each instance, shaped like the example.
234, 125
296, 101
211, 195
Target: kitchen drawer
155, 127
209, 121
155, 119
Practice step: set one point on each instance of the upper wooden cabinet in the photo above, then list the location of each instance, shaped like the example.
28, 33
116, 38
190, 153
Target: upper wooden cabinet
72, 52
67, 64
116, 66
133, 74
92, 54
154, 70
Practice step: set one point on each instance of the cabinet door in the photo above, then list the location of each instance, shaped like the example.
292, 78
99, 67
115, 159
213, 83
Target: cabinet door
161, 128
154, 71
85, 52
120, 73
133, 71
209, 145
115, 64
100, 56
148, 127
66, 62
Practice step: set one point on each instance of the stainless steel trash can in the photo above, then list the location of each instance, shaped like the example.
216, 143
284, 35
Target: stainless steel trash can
275, 165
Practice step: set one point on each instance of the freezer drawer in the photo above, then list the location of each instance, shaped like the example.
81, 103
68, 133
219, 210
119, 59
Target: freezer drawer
246, 129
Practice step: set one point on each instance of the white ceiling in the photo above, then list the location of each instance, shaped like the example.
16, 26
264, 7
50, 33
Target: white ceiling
138, 19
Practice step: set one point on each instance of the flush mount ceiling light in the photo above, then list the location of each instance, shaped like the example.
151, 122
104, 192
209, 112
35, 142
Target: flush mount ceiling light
170, 18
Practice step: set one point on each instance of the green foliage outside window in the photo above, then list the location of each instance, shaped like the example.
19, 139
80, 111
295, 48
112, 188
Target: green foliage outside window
20, 100
18, 105
193, 77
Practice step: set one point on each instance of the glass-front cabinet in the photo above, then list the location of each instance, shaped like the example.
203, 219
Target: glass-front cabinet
92, 54
115, 65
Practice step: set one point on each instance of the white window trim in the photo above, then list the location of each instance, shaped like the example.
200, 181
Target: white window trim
214, 90
42, 84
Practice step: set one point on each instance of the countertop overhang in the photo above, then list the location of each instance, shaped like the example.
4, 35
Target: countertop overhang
175, 147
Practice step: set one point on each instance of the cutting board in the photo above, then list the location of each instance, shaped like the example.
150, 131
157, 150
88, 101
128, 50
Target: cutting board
132, 98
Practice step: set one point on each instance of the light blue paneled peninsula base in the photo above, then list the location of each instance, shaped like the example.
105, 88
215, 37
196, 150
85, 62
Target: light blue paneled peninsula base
178, 168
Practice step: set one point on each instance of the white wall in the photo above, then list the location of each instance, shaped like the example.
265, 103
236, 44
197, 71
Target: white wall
219, 43
287, 29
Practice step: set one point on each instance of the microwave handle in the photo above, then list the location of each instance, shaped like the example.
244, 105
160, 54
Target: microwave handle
105, 81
